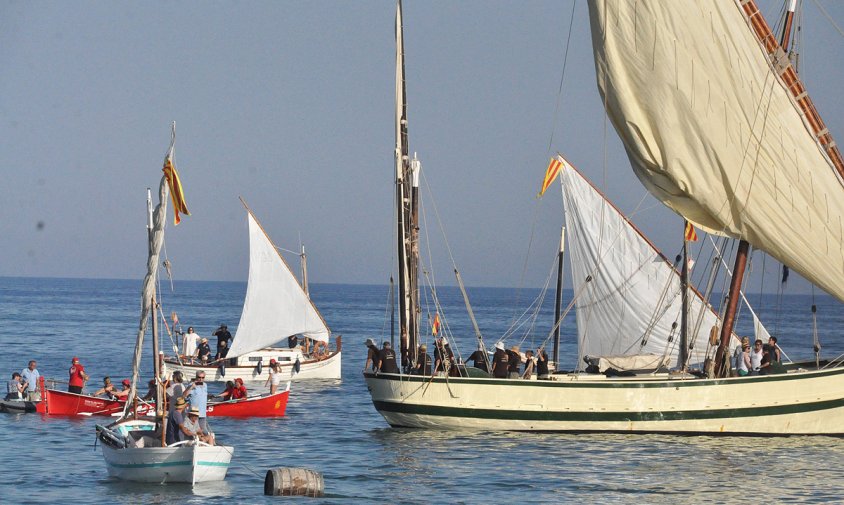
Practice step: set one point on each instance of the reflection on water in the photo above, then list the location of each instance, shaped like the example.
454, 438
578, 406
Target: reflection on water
331, 426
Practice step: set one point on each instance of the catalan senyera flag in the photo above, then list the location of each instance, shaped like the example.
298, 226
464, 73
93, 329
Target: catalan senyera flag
550, 174
690, 234
176, 192
435, 327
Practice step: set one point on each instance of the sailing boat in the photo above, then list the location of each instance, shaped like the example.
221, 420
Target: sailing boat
276, 307
134, 448
647, 105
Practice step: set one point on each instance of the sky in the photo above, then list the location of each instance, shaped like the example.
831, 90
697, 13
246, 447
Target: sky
290, 105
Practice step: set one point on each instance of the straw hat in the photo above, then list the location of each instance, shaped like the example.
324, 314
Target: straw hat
181, 403
193, 411
499, 346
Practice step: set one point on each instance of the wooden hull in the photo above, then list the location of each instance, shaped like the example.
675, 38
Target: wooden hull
256, 406
328, 368
63, 403
796, 403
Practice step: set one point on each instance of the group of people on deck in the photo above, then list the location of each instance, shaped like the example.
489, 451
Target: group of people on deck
24, 385
506, 364
762, 359
196, 349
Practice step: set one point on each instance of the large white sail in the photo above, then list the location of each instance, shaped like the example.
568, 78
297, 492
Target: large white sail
275, 306
718, 127
635, 292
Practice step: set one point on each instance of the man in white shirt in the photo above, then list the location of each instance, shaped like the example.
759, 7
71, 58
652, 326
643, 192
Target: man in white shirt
31, 377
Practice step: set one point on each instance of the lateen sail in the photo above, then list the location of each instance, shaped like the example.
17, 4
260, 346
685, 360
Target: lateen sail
275, 306
713, 132
621, 306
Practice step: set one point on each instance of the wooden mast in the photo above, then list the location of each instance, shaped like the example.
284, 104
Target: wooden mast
760, 27
559, 297
684, 292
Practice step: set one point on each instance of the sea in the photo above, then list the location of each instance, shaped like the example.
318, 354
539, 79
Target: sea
332, 428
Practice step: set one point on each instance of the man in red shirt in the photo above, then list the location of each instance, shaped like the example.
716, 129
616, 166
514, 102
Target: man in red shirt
78, 377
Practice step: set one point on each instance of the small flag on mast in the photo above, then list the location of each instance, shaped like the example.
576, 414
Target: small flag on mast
176, 192
690, 234
435, 327
550, 174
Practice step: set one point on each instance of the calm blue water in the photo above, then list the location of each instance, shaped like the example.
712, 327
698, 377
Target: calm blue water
333, 428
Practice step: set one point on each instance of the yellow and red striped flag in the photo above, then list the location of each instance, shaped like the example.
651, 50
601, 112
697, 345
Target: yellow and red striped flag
690, 234
176, 192
550, 174
435, 327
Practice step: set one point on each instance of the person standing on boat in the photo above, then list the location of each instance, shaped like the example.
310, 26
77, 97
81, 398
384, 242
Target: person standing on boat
78, 377
190, 340
197, 396
514, 360
387, 359
175, 388
31, 378
743, 360
423, 364
530, 364
274, 377
371, 355
756, 357
224, 339
176, 431
15, 388
542, 365
203, 352
478, 358
443, 356
500, 361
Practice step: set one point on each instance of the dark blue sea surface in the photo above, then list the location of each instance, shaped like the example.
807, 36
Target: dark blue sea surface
331, 426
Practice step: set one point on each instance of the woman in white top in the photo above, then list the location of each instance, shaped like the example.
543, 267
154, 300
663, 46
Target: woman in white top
743, 365
275, 376
189, 341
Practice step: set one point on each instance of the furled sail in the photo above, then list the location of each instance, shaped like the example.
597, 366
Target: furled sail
275, 306
714, 132
634, 295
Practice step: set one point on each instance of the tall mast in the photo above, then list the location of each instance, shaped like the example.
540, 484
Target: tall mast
404, 212
304, 260
559, 298
684, 291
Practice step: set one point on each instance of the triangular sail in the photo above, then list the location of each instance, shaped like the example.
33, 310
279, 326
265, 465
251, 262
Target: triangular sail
718, 127
275, 307
634, 294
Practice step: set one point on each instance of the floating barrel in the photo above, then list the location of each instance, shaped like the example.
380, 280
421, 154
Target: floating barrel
294, 482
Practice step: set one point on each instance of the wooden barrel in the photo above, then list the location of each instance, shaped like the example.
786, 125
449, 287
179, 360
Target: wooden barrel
294, 482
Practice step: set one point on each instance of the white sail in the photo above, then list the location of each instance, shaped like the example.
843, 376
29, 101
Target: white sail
276, 307
635, 292
718, 127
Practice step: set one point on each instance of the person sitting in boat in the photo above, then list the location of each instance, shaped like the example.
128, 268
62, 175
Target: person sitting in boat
274, 378
292, 341
31, 377
192, 428
203, 352
478, 358
190, 341
387, 359
542, 365
176, 431
500, 361
371, 355
756, 357
15, 388
320, 351
514, 360
123, 394
530, 364
423, 362
151, 390
235, 390
222, 350
306, 346
107, 389
78, 377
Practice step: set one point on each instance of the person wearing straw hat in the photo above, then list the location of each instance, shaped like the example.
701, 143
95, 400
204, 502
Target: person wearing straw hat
513, 362
192, 428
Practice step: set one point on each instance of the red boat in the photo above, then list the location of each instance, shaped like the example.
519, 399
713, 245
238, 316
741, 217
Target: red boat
63, 403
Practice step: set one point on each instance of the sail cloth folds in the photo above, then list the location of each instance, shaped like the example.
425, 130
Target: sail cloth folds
276, 307
713, 133
634, 295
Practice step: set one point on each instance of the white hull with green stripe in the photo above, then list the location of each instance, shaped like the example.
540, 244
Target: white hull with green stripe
795, 403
